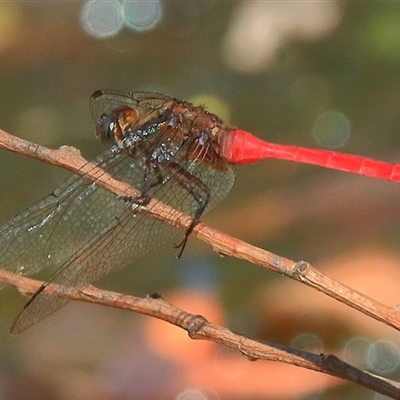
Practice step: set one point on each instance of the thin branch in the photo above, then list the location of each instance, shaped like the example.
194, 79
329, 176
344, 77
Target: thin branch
199, 328
222, 243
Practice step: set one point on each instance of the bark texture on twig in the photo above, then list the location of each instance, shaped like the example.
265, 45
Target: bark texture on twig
197, 326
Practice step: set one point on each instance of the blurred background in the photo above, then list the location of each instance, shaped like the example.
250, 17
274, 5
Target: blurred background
318, 74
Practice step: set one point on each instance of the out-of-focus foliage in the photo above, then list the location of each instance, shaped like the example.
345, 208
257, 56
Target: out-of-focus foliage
305, 73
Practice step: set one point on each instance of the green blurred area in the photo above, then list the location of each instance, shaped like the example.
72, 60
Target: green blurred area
49, 67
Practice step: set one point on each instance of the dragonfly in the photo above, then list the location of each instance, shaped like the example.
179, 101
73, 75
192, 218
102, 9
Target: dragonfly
169, 150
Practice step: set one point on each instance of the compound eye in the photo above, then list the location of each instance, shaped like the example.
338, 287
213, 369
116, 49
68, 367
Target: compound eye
107, 129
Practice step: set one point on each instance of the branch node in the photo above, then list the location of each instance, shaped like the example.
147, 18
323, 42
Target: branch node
195, 325
70, 150
244, 353
155, 296
300, 267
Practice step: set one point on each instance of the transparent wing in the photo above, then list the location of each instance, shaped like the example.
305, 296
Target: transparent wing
85, 231
111, 233
105, 101
53, 230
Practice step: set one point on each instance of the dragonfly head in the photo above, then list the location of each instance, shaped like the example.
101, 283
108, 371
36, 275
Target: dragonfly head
112, 128
109, 130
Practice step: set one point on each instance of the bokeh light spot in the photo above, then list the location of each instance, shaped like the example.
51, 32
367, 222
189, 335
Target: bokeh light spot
355, 352
308, 342
102, 19
331, 129
142, 15
383, 357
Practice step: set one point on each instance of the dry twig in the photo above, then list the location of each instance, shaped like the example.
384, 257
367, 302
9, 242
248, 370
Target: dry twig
198, 327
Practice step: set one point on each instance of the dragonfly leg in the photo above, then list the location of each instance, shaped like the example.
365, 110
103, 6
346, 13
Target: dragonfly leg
136, 202
143, 199
197, 189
